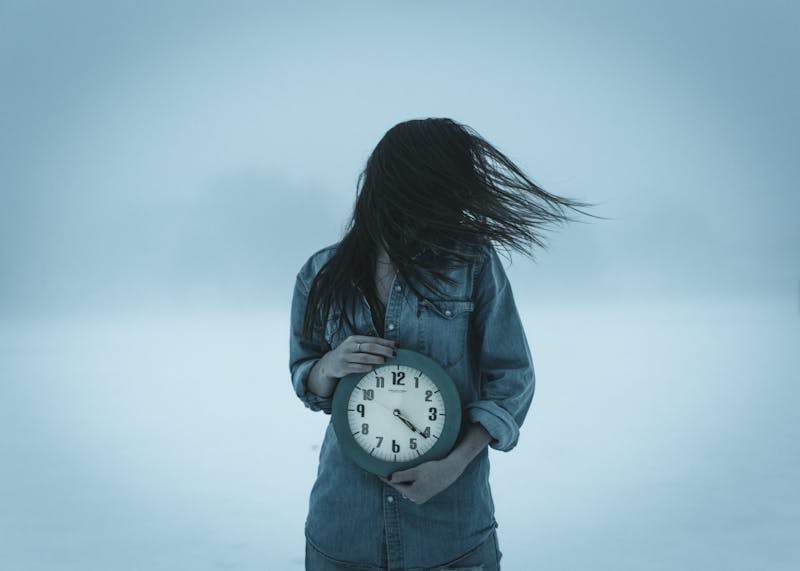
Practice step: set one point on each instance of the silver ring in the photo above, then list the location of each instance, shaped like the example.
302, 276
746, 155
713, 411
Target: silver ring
358, 348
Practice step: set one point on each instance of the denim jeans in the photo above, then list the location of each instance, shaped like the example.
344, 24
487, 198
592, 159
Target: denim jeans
485, 557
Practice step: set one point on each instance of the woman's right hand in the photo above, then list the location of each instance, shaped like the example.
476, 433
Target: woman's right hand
358, 354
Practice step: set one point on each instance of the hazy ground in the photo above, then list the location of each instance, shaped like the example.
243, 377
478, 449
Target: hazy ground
661, 437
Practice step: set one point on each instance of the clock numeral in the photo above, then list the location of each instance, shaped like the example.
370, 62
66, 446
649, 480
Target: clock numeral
395, 447
369, 394
397, 377
365, 428
379, 382
428, 395
427, 432
360, 408
412, 443
380, 441
433, 412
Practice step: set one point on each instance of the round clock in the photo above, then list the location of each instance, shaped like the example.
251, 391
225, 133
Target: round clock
402, 413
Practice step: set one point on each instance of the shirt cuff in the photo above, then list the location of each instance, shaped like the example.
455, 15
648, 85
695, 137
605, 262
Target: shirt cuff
497, 421
312, 401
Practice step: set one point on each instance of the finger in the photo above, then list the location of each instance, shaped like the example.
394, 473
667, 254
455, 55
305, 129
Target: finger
369, 348
376, 340
408, 492
366, 358
402, 476
379, 349
404, 489
357, 368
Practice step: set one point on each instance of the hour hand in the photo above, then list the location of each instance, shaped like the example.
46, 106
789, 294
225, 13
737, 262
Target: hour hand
407, 423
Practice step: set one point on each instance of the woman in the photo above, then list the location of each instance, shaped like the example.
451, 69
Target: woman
417, 269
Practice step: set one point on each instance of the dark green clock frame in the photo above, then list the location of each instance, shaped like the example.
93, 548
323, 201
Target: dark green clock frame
452, 424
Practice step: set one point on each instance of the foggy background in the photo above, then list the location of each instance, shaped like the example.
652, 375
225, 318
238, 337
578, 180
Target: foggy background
166, 168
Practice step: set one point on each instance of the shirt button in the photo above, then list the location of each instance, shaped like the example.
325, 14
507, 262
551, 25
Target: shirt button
447, 312
397, 288
390, 327
390, 499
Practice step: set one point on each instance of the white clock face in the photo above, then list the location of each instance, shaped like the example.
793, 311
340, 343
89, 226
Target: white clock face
396, 413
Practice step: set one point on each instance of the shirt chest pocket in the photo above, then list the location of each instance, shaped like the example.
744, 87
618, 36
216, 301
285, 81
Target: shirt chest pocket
444, 326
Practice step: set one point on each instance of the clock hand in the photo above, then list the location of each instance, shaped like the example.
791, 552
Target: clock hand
396, 412
407, 423
399, 415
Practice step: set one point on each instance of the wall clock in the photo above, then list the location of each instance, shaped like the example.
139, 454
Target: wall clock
402, 413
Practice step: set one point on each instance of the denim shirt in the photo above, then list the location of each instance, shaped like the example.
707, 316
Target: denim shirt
476, 334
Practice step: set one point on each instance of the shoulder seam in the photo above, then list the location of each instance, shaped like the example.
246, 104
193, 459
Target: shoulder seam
310, 263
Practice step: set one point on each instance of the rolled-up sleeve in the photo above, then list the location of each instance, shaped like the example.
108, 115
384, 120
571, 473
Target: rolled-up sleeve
303, 352
504, 357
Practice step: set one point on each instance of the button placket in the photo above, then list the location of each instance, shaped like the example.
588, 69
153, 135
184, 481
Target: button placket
391, 521
391, 507
393, 308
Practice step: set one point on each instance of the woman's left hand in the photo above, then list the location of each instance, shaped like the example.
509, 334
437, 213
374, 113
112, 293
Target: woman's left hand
421, 483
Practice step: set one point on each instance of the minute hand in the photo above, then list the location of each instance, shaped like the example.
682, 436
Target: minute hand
408, 423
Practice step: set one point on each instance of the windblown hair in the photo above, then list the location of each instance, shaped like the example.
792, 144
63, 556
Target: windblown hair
433, 193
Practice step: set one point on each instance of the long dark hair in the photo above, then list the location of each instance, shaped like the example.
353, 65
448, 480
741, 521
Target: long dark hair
433, 193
